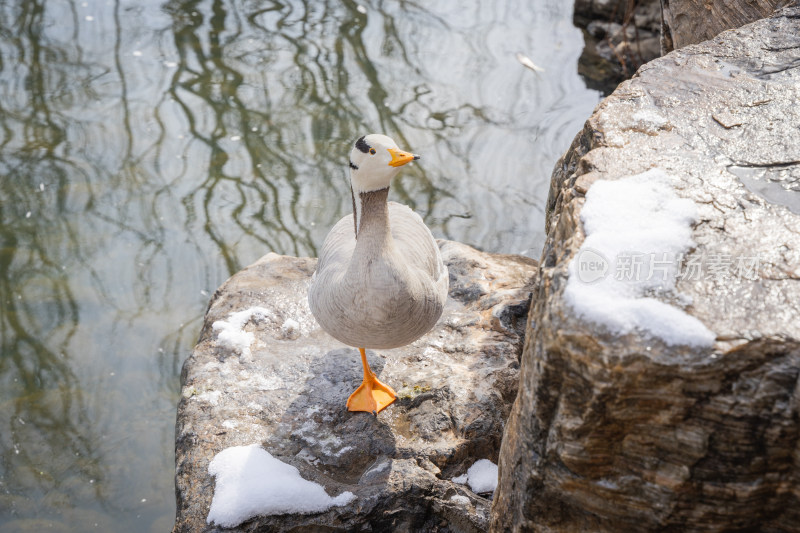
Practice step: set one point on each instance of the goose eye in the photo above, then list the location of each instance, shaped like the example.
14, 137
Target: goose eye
372, 151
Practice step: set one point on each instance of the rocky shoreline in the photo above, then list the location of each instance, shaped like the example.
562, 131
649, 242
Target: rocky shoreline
677, 410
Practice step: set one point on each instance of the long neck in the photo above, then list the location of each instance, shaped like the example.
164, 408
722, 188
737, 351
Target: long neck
372, 219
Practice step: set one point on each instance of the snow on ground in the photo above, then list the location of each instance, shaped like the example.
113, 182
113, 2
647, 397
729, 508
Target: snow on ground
251, 482
481, 477
461, 480
231, 333
636, 230
459, 499
290, 329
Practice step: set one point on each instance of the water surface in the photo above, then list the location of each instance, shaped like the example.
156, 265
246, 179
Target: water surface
149, 150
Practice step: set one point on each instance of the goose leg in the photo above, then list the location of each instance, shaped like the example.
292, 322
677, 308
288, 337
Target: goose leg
371, 396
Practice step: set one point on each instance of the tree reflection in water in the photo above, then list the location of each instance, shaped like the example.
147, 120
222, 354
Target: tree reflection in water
149, 150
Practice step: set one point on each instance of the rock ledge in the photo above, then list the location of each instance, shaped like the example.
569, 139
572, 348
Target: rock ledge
287, 390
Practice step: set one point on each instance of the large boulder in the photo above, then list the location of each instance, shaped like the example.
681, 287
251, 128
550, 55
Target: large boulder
285, 387
674, 407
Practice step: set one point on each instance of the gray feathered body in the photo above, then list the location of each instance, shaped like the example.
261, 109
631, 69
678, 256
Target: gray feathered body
385, 289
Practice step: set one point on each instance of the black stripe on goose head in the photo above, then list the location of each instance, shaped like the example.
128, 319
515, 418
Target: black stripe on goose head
362, 145
353, 166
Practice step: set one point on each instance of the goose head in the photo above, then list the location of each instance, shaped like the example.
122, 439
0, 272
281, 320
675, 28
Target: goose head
374, 161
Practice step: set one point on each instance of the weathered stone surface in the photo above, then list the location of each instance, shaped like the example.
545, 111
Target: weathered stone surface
619, 36
694, 21
455, 387
625, 433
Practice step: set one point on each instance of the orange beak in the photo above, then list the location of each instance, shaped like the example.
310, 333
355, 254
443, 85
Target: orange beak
400, 158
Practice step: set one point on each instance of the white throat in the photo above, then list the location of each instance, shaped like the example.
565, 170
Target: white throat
374, 162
